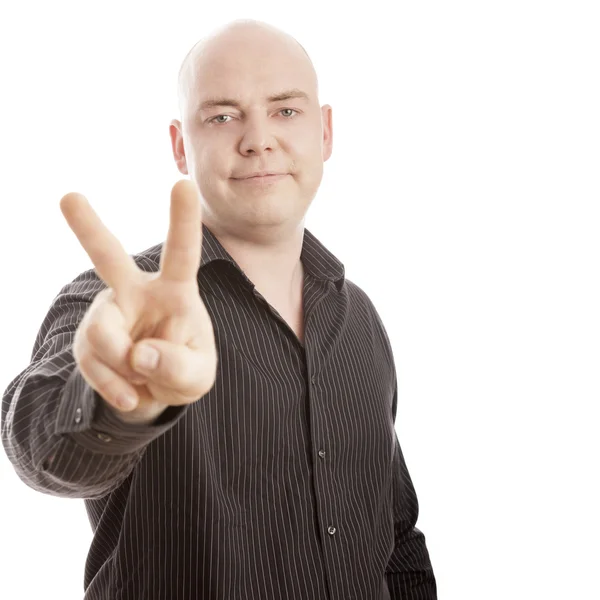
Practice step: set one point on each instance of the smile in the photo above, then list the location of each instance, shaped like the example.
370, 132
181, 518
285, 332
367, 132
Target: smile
262, 179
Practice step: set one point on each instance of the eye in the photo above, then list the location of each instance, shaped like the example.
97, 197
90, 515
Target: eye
217, 117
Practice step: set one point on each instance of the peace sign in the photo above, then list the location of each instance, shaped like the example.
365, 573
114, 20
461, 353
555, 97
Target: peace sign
157, 317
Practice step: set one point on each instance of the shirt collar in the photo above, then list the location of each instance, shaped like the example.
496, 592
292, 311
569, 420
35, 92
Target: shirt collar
319, 262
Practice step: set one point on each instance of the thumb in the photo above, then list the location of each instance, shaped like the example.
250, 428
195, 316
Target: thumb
173, 366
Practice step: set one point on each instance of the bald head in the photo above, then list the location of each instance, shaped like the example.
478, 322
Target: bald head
249, 103
234, 41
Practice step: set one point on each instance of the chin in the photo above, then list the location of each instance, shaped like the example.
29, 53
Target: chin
270, 217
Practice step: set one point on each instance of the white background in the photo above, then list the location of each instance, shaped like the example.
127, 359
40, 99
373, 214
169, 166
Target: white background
463, 196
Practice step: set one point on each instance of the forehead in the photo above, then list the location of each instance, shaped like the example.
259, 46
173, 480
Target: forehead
250, 74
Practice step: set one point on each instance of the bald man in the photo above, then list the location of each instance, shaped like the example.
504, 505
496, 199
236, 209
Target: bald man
225, 402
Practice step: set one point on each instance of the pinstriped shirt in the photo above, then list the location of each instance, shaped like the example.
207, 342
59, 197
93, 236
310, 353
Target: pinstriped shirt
285, 481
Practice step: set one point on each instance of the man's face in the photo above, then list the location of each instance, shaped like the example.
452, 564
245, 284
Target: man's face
252, 106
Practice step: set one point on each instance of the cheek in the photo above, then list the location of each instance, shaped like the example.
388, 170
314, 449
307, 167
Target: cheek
211, 168
310, 146
311, 157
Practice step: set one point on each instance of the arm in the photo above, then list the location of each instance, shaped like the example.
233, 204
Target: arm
409, 573
58, 433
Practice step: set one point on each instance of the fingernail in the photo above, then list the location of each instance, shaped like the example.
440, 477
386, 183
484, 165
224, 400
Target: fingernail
126, 402
146, 358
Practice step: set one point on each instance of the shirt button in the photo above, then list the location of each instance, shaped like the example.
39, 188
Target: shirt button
78, 415
331, 530
322, 453
103, 437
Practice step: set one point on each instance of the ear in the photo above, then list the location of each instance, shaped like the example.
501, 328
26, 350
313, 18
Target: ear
326, 119
177, 146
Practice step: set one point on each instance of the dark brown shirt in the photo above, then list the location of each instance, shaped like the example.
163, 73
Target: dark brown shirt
286, 481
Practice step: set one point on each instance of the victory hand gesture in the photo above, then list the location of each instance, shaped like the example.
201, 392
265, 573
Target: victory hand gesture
148, 336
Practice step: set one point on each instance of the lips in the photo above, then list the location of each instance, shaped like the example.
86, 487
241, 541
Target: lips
257, 174
261, 181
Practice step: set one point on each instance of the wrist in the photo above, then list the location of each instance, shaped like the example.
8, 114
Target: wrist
144, 414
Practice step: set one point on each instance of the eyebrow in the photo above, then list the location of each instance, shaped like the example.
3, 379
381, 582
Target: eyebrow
285, 95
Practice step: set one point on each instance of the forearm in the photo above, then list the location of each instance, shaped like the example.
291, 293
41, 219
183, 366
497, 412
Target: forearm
61, 438
409, 572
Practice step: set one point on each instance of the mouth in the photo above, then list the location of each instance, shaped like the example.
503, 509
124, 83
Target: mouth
267, 178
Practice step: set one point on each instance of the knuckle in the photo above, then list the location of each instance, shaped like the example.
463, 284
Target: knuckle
86, 362
96, 333
106, 342
117, 390
175, 373
171, 373
88, 367
110, 386
100, 300
184, 301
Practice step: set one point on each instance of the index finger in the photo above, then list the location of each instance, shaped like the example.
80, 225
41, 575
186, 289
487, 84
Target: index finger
112, 263
182, 251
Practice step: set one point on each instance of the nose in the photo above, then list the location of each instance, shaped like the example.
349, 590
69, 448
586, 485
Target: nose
257, 138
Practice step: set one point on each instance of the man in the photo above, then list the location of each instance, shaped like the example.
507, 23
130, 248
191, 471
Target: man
257, 456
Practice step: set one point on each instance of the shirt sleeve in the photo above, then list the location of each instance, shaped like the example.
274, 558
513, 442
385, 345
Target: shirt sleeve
409, 573
57, 431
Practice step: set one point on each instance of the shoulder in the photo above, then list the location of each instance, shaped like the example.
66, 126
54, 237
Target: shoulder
362, 305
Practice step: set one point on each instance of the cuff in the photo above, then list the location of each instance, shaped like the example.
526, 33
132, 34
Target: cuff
86, 418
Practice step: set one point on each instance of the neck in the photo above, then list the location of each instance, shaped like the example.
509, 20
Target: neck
272, 264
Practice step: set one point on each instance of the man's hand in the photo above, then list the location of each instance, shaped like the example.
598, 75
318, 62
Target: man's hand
158, 317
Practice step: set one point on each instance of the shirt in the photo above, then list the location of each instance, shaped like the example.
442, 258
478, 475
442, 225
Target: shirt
285, 481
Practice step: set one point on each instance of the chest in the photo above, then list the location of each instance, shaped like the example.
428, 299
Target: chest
293, 316
289, 311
